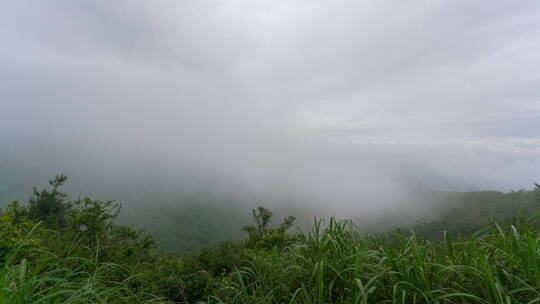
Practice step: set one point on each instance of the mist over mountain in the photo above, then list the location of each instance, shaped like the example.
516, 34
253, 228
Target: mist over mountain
298, 151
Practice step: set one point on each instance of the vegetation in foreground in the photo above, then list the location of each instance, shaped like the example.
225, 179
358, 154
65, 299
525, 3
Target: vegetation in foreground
56, 250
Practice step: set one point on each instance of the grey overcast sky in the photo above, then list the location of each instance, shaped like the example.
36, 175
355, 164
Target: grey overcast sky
279, 90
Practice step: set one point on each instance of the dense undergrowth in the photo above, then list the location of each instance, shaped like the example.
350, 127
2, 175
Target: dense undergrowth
54, 250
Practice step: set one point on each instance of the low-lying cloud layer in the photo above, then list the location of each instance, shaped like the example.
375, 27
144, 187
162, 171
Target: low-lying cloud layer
315, 97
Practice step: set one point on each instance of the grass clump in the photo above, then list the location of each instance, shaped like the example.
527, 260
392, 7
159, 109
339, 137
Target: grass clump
336, 264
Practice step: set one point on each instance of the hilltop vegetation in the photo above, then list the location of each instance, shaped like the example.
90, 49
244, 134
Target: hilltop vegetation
179, 220
58, 250
188, 217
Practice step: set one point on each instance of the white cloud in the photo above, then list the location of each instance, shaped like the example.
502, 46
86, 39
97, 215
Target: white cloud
255, 88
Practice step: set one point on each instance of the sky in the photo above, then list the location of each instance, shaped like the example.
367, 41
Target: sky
309, 96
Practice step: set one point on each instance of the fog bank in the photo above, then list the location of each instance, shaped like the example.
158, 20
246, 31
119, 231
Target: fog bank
332, 104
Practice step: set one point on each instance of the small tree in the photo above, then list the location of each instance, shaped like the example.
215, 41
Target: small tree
262, 217
50, 206
261, 235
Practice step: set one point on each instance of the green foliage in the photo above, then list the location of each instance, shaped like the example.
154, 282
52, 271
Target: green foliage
94, 219
336, 264
50, 206
55, 250
14, 228
261, 235
30, 273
